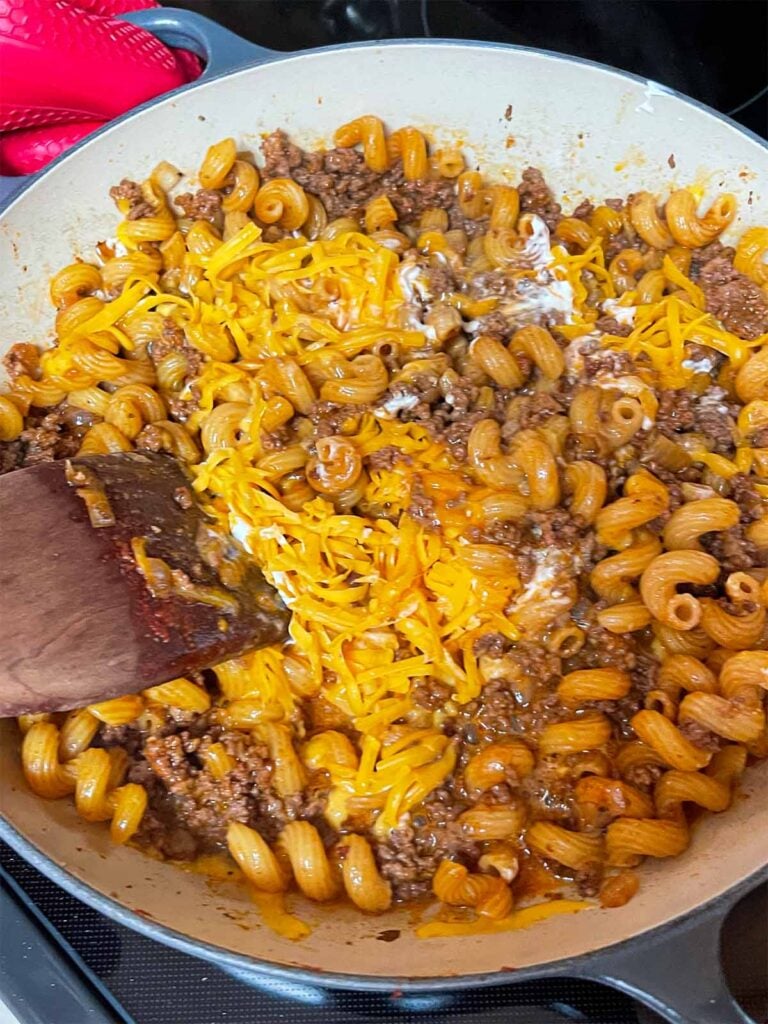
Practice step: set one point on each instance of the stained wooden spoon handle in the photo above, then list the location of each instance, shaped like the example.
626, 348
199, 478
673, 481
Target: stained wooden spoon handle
112, 580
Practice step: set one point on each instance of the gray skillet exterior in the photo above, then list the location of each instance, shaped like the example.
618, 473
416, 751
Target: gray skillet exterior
673, 967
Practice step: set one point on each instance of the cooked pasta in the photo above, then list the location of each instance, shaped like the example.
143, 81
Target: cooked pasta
508, 468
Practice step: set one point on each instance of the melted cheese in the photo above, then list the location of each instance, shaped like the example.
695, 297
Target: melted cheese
540, 298
622, 314
663, 329
551, 567
518, 919
395, 404
536, 250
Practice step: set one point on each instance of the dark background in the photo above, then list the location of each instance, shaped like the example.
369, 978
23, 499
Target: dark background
713, 50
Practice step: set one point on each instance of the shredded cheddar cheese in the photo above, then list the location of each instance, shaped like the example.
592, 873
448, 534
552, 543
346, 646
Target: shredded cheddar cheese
403, 415
663, 329
378, 603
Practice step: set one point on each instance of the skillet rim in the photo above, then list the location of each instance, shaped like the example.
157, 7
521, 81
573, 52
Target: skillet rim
586, 964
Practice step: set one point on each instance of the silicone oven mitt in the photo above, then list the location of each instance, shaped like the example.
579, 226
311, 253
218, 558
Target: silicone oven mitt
68, 67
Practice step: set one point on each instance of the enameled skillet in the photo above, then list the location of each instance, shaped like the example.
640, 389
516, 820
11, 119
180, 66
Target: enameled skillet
595, 132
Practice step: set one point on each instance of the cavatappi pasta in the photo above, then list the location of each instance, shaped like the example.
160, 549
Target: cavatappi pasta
507, 468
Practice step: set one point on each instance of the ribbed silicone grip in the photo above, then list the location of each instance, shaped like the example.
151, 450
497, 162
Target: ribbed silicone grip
61, 64
110, 8
26, 150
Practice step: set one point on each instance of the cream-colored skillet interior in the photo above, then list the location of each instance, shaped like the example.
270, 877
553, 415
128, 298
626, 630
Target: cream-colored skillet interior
594, 133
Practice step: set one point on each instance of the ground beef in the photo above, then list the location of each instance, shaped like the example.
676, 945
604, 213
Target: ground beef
607, 361
386, 457
716, 419
644, 776
445, 409
281, 156
699, 735
675, 413
456, 434
505, 705
738, 302
330, 417
151, 438
458, 397
606, 650
494, 325
440, 281
181, 409
701, 257
497, 709
615, 244
555, 528
190, 809
22, 358
172, 339
143, 209
420, 392
344, 184
129, 737
458, 222
138, 207
127, 189
276, 440
733, 550
536, 197
409, 857
44, 439
709, 414
494, 644
205, 204
430, 693
549, 795
508, 534
645, 672
422, 508
11, 456
610, 325
584, 210
698, 353
412, 198
538, 409
745, 495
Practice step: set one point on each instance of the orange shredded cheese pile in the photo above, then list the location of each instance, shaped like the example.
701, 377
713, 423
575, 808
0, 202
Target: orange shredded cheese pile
378, 601
381, 603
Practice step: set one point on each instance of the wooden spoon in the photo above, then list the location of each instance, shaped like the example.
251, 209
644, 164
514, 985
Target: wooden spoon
112, 579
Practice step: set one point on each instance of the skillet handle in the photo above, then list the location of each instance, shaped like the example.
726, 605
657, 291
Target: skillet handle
678, 975
220, 49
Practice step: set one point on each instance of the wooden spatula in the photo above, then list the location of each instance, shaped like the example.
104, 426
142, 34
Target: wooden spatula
112, 579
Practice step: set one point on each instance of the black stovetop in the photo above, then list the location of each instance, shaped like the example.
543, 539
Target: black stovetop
98, 971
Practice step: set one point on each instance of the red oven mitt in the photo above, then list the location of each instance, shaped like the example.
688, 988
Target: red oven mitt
67, 67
